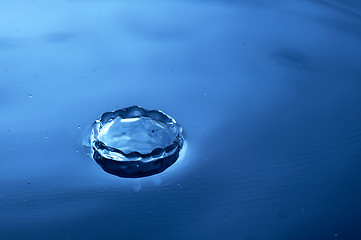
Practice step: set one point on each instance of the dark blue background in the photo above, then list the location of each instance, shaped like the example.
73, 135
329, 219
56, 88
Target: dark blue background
268, 93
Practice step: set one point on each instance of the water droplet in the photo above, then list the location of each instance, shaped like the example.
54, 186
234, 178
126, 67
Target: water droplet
136, 186
79, 127
134, 142
30, 96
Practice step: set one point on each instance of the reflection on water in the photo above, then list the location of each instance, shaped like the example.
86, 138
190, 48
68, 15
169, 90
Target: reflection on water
273, 149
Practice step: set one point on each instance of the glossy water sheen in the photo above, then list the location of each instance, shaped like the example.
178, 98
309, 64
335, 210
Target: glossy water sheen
141, 134
268, 92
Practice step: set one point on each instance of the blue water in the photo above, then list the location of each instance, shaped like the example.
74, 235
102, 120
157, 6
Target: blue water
268, 94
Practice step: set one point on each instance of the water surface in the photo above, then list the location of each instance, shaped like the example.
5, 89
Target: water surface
268, 94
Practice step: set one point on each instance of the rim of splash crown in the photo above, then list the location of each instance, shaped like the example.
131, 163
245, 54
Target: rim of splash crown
135, 164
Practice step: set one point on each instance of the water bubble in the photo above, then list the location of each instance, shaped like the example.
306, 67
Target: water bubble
134, 142
30, 96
